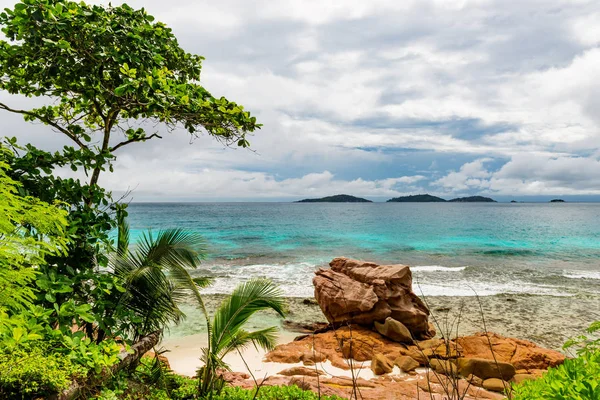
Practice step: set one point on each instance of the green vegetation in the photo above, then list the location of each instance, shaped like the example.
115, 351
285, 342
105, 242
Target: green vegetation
226, 333
338, 198
417, 198
576, 379
145, 384
473, 199
73, 302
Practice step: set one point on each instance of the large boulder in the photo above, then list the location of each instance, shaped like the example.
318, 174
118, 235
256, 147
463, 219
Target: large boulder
364, 293
524, 355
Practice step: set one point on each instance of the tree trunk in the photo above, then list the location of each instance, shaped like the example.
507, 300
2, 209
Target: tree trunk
128, 359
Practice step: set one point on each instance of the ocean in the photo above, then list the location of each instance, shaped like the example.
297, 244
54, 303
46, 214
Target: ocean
453, 249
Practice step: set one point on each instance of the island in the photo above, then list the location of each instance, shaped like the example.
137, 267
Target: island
557, 201
417, 198
338, 198
514, 201
473, 199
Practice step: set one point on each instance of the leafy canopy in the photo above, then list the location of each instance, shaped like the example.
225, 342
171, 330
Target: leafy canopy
104, 67
30, 230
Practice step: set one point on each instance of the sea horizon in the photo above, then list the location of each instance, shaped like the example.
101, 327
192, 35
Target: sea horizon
455, 250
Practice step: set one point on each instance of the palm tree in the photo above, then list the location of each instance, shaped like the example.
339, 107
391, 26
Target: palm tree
226, 333
155, 275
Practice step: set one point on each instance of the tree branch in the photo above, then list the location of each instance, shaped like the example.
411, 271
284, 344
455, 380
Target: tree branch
46, 121
142, 139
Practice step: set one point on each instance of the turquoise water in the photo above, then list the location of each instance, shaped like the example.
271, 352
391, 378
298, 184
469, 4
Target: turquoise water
453, 248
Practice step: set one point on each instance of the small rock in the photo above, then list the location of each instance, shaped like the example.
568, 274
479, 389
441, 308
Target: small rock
485, 369
444, 367
495, 385
406, 363
394, 330
303, 371
518, 378
474, 380
381, 365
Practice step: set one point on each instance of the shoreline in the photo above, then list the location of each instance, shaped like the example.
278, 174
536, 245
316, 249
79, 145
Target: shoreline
547, 321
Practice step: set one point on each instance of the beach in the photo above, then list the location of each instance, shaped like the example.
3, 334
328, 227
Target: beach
545, 320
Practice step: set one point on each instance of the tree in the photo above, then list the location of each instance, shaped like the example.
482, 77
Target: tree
226, 330
104, 68
155, 276
30, 230
105, 73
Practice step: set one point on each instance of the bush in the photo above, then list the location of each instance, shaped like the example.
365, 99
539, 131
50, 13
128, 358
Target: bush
34, 372
577, 379
270, 393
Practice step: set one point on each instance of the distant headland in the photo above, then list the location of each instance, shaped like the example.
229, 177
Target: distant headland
473, 199
427, 198
338, 198
417, 198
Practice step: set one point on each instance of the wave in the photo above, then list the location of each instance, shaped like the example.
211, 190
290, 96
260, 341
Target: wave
582, 274
436, 268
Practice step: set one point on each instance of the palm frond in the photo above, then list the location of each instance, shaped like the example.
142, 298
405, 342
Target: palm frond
264, 338
248, 298
203, 282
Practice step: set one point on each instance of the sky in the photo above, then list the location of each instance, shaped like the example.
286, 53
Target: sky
378, 99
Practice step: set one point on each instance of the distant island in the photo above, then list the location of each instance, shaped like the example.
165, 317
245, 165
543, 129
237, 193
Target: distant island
427, 198
338, 198
557, 201
473, 199
417, 198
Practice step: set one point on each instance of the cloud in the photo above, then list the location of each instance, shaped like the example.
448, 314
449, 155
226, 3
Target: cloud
387, 96
528, 175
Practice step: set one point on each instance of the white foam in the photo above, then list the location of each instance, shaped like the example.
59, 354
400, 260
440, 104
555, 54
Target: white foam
436, 268
582, 274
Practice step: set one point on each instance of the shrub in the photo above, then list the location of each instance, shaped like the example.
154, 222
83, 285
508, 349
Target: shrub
271, 393
577, 379
34, 372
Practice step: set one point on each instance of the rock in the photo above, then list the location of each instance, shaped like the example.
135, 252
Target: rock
474, 380
518, 378
485, 369
443, 367
338, 295
521, 353
365, 293
406, 363
394, 330
496, 385
293, 326
381, 365
301, 371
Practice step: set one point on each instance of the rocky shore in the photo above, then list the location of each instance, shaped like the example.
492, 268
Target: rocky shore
366, 330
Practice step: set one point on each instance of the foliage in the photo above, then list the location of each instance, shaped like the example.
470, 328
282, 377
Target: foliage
292, 392
226, 333
576, 379
155, 276
30, 230
35, 371
106, 67
141, 385
101, 70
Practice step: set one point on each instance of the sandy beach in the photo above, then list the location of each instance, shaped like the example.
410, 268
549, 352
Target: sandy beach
545, 320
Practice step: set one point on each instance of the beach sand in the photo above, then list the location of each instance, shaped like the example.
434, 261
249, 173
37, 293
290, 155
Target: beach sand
545, 320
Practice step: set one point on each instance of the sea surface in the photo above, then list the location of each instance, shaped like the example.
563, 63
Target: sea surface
454, 249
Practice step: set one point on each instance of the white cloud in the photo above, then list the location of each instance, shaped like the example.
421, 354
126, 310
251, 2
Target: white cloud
351, 86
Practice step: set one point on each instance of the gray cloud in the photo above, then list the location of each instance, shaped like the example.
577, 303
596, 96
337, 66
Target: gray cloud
346, 90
